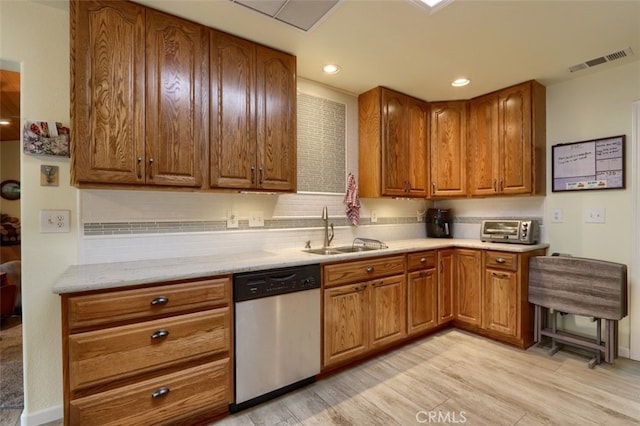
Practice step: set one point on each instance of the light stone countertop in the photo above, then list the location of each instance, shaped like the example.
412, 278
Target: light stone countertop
78, 278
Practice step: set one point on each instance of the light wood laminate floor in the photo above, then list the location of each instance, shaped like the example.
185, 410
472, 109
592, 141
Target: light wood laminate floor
458, 378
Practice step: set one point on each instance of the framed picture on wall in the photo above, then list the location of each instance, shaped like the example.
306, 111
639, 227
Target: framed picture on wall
586, 165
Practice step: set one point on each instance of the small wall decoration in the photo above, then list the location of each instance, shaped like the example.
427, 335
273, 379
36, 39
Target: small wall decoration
10, 190
45, 138
48, 175
592, 164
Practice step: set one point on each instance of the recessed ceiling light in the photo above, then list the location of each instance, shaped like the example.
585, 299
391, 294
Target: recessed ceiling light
331, 69
459, 82
431, 6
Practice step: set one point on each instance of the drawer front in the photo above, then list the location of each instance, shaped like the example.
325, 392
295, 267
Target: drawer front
107, 308
501, 260
422, 260
162, 400
363, 270
101, 356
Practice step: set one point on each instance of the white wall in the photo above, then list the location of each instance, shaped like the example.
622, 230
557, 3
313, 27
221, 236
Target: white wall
594, 106
37, 37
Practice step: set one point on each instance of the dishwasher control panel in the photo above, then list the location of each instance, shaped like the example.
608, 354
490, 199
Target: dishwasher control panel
259, 284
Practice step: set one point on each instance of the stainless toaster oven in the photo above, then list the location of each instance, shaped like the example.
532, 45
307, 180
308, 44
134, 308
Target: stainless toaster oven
510, 231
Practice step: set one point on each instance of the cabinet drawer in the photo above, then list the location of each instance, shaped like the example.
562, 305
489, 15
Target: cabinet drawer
363, 270
108, 308
501, 260
97, 357
177, 396
422, 260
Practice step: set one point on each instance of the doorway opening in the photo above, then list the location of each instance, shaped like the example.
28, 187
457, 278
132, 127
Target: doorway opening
11, 359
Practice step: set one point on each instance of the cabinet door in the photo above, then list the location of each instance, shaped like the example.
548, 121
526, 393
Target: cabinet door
395, 148
484, 147
177, 92
232, 137
445, 286
388, 310
107, 92
422, 301
448, 149
418, 134
514, 127
346, 323
469, 286
500, 301
276, 119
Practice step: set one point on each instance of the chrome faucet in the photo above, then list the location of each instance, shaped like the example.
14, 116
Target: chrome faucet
325, 218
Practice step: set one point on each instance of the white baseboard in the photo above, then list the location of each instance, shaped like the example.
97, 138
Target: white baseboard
624, 352
41, 417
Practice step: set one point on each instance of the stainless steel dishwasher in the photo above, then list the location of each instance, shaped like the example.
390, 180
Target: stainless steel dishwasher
277, 332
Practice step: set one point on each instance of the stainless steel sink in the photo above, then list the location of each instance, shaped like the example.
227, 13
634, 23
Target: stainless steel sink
355, 249
325, 251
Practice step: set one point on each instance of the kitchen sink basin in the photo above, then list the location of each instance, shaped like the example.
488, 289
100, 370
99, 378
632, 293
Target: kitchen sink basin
341, 250
325, 251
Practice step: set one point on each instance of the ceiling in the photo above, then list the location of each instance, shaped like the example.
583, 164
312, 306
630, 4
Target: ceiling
397, 44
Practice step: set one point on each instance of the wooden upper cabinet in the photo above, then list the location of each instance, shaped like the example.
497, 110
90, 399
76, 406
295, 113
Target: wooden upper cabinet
253, 116
122, 132
177, 108
448, 158
276, 120
232, 137
392, 134
107, 92
507, 141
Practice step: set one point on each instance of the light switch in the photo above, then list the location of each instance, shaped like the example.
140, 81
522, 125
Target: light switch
594, 215
54, 220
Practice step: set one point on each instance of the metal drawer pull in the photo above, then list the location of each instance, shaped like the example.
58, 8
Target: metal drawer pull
160, 334
160, 300
423, 259
500, 260
160, 392
369, 269
139, 167
499, 275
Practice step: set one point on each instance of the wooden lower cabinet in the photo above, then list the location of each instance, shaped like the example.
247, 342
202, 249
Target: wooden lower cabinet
468, 291
422, 292
362, 315
446, 277
158, 354
501, 301
346, 323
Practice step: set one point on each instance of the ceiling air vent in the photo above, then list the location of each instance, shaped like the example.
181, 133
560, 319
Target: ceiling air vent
602, 59
302, 14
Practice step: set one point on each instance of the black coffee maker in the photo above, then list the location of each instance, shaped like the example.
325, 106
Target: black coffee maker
439, 223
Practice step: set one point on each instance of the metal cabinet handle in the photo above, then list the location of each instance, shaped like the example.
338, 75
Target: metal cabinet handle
423, 259
150, 168
495, 274
261, 175
369, 269
253, 175
495, 185
160, 392
159, 334
139, 167
160, 300
500, 260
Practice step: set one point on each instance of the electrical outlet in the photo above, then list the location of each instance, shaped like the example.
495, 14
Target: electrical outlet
419, 216
374, 216
54, 220
232, 219
594, 215
556, 216
256, 219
